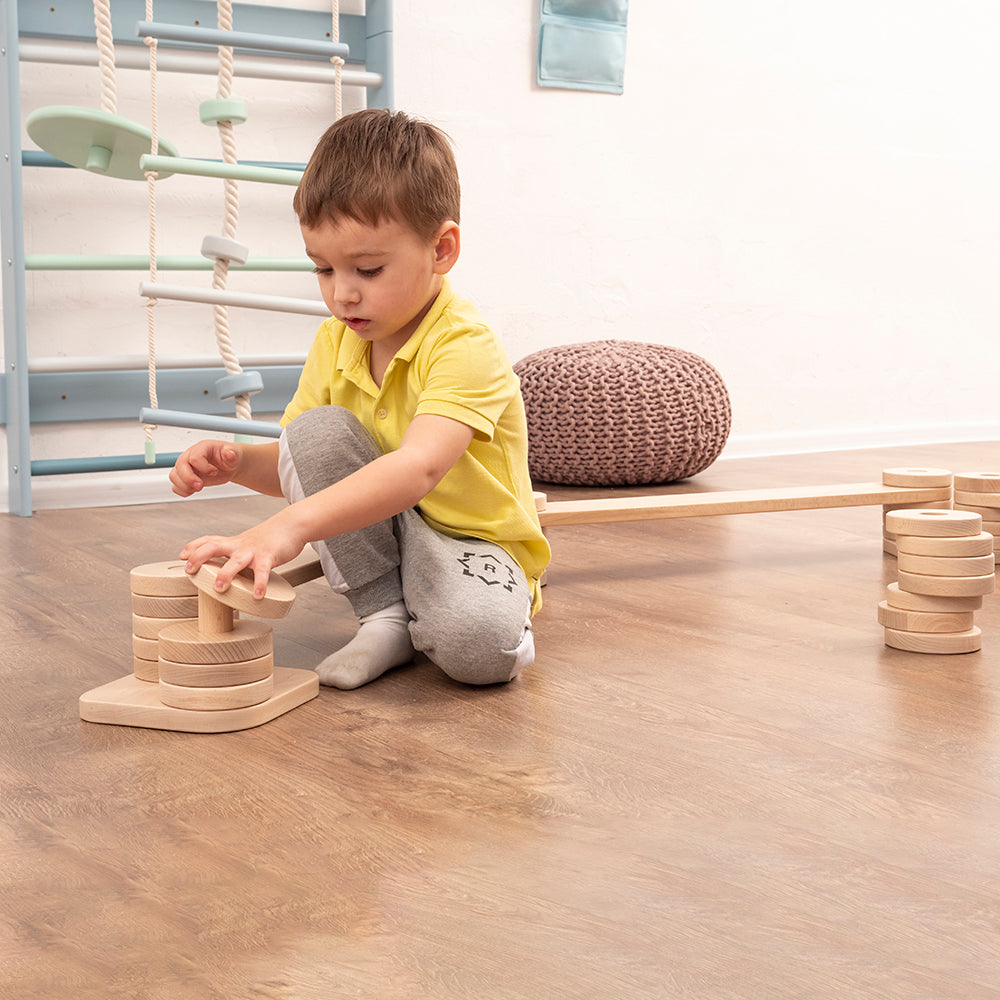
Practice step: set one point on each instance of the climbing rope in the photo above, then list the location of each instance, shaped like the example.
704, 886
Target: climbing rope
106, 55
150, 176
338, 63
220, 272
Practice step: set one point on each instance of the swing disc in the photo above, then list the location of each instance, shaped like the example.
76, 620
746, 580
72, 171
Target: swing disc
95, 140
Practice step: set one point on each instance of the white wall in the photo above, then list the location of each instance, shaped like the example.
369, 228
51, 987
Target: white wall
802, 193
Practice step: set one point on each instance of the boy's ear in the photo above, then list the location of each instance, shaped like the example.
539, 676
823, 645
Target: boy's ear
447, 246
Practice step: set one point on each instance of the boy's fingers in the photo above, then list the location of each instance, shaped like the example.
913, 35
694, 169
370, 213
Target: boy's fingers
261, 574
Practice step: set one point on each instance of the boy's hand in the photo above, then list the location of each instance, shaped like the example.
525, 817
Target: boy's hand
271, 543
207, 463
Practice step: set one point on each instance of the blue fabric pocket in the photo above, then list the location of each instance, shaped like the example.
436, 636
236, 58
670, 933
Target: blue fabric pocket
581, 45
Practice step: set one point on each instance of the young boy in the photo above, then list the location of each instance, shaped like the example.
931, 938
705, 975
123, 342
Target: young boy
404, 450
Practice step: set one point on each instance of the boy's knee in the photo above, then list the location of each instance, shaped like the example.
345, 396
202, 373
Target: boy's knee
326, 444
474, 655
312, 428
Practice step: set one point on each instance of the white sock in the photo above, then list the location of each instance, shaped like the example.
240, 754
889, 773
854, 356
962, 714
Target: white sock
382, 642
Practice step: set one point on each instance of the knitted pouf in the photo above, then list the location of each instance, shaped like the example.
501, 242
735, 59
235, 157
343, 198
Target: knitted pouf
621, 413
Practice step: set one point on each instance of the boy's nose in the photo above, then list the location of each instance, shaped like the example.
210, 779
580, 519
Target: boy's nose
346, 292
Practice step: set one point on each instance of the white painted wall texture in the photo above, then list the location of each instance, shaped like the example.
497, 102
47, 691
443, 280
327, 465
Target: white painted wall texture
802, 193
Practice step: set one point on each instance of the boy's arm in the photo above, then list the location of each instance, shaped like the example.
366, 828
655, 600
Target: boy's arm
392, 483
211, 463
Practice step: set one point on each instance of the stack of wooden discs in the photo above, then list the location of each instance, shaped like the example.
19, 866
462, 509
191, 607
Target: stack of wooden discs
979, 492
162, 594
216, 662
918, 479
945, 563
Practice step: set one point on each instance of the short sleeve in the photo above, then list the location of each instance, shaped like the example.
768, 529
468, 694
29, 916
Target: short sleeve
466, 375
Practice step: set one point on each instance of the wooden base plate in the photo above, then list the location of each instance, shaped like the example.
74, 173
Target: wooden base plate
131, 702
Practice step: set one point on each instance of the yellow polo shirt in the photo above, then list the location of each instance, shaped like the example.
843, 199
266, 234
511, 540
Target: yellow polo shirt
454, 366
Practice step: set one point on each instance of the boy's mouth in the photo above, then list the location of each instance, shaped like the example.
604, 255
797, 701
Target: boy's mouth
356, 323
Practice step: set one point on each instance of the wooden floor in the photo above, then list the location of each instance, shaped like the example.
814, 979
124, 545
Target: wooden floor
716, 782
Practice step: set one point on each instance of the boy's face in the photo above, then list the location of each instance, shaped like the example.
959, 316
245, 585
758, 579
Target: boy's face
380, 280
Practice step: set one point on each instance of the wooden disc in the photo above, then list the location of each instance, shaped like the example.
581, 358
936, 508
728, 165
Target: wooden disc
150, 628
947, 586
916, 477
933, 505
978, 482
961, 546
183, 643
918, 505
906, 601
889, 547
217, 674
986, 513
935, 642
933, 523
216, 699
977, 499
924, 621
148, 649
946, 565
145, 670
162, 579
164, 607
276, 603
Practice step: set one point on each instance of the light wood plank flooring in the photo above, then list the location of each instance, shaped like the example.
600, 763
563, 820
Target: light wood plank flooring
716, 782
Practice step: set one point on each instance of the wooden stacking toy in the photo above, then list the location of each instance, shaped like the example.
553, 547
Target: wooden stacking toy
197, 667
945, 567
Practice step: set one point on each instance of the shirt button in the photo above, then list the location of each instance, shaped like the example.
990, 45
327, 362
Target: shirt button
381, 414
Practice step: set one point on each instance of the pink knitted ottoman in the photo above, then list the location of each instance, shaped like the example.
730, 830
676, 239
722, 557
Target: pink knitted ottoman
621, 413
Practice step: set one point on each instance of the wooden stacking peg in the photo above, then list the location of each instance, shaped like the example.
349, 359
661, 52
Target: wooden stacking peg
960, 546
924, 621
933, 523
213, 616
916, 477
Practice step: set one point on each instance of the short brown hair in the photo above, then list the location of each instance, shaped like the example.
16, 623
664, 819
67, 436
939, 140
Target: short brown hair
375, 165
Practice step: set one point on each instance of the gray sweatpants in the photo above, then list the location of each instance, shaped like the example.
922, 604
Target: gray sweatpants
468, 600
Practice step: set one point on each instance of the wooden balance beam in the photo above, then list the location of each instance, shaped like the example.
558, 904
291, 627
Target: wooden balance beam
653, 508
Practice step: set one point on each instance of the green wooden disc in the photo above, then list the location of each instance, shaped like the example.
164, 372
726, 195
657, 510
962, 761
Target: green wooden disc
95, 140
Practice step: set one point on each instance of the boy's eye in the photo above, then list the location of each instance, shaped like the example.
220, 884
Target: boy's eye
369, 272
322, 270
